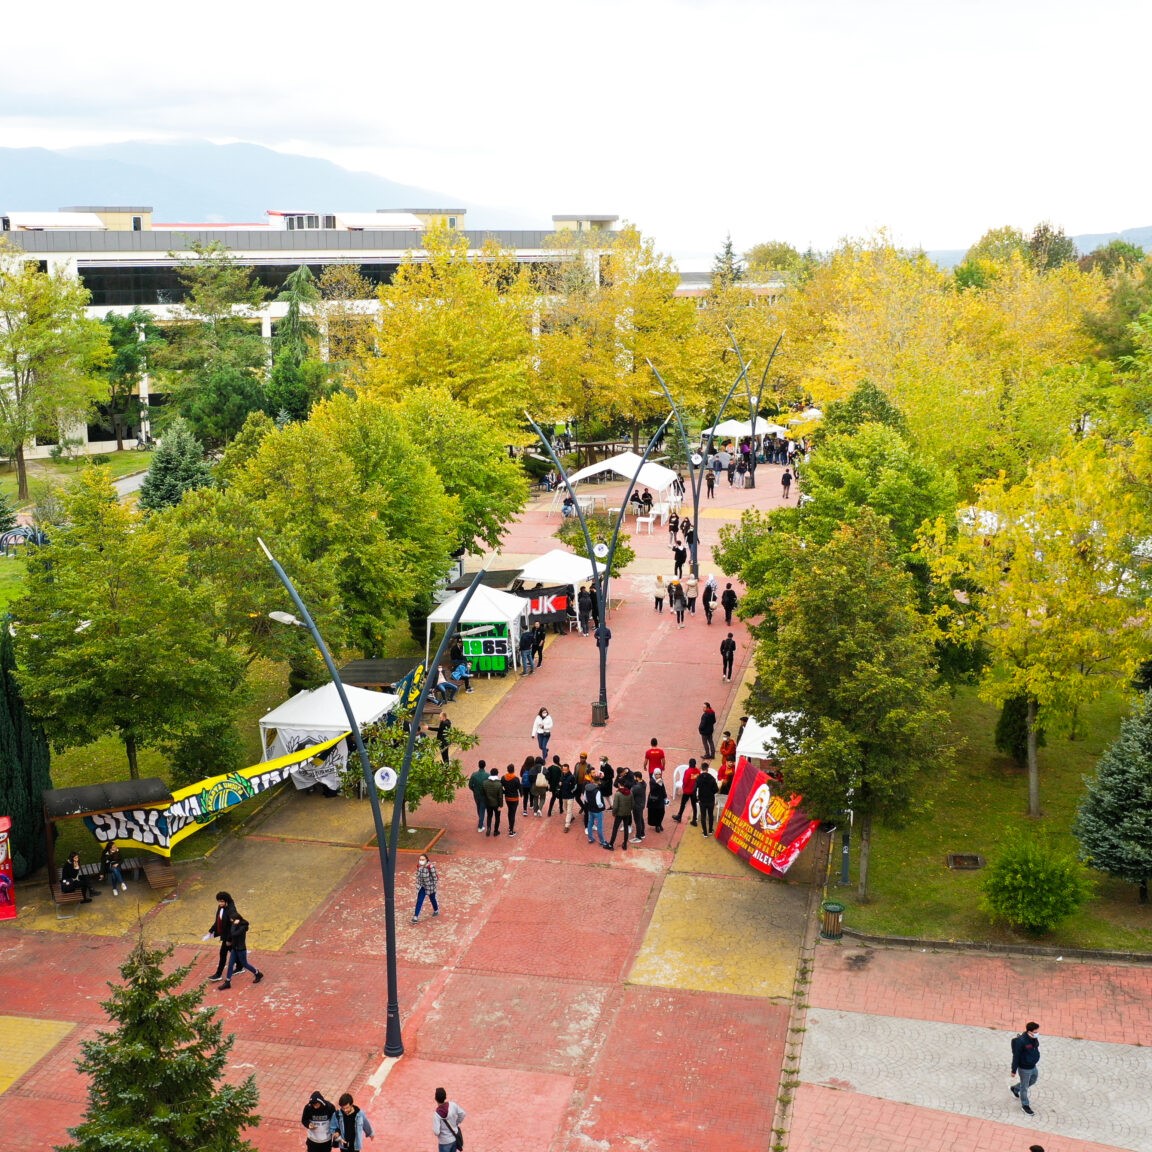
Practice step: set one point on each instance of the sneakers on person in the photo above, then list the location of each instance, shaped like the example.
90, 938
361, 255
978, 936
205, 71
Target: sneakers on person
415, 919
123, 887
638, 840
510, 834
1016, 1091
258, 977
608, 847
115, 890
435, 911
226, 985
218, 976
1027, 1110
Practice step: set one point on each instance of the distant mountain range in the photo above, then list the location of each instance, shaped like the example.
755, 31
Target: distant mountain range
193, 181
1089, 242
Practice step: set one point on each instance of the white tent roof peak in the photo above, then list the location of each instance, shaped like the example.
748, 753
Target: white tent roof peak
557, 567
320, 710
487, 606
651, 475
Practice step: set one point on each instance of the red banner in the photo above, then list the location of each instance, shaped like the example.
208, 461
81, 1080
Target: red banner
763, 826
7, 891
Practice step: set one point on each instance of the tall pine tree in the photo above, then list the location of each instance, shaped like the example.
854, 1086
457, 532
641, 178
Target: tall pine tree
25, 763
1114, 824
155, 1078
178, 465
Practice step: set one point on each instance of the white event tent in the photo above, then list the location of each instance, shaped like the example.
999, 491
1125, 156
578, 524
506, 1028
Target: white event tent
314, 717
487, 606
556, 567
744, 428
652, 475
759, 741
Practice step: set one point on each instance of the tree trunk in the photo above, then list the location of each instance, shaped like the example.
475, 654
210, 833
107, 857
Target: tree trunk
130, 748
21, 473
865, 849
1033, 767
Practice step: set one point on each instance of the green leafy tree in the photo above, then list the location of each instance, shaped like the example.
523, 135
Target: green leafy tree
215, 359
1114, 823
25, 767
297, 334
470, 456
600, 528
867, 405
1049, 248
177, 466
1012, 730
429, 778
242, 447
294, 386
1115, 256
156, 1077
851, 672
1033, 887
111, 637
133, 340
50, 355
8, 518
1052, 582
727, 267
771, 257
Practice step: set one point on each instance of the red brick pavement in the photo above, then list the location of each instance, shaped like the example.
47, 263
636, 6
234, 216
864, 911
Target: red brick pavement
1111, 1003
825, 1120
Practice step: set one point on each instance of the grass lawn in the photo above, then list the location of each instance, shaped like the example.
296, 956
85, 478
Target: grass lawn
12, 571
61, 471
983, 803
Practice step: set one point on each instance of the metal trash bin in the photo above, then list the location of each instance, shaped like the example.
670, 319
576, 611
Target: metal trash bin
599, 714
831, 920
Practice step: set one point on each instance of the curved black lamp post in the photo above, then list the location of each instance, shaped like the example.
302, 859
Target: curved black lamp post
393, 1037
600, 575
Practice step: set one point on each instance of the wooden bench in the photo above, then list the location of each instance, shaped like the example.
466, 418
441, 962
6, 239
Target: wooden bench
160, 873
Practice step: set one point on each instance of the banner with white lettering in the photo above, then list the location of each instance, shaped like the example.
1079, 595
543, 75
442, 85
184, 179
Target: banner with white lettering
192, 808
548, 605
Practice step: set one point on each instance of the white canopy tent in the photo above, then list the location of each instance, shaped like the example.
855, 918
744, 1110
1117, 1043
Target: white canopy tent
487, 606
744, 428
314, 717
652, 475
557, 567
809, 415
760, 741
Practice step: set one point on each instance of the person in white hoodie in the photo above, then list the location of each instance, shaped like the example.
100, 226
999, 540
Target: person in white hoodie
542, 730
446, 1122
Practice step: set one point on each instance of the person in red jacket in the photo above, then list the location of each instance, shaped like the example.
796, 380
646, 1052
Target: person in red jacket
688, 791
654, 757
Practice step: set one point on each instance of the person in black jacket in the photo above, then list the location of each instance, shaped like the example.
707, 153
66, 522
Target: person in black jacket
238, 937
706, 728
1025, 1058
706, 788
72, 878
639, 798
566, 792
222, 930
657, 801
317, 1119
727, 656
728, 602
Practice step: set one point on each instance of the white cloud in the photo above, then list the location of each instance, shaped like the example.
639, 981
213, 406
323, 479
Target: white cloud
804, 120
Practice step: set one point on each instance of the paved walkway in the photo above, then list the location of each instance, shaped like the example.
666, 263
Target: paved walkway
579, 1001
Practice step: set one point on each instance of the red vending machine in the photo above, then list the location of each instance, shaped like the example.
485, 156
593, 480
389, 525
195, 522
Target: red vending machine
7, 889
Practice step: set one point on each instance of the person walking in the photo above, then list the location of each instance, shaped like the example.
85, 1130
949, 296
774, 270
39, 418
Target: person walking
446, 1123
710, 484
594, 809
658, 594
657, 801
238, 954
621, 811
566, 793
222, 930
707, 786
476, 786
673, 528
527, 644
442, 730
706, 728
709, 598
426, 881
1025, 1058
350, 1125
582, 772
785, 483
691, 591
639, 798
512, 786
728, 602
552, 774
727, 656
538, 637
679, 602
688, 792
539, 788
542, 730
679, 558
317, 1120
493, 802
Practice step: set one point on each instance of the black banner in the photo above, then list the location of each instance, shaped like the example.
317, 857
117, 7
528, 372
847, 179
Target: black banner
548, 605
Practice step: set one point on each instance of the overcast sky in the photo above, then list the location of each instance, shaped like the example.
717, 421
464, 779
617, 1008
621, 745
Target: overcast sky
798, 120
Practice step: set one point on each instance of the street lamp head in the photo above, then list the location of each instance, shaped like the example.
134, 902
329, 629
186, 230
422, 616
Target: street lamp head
286, 618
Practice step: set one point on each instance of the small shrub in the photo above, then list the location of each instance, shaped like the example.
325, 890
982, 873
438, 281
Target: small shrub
1033, 887
100, 458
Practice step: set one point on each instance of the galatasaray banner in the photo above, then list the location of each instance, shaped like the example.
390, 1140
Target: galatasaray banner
158, 829
762, 826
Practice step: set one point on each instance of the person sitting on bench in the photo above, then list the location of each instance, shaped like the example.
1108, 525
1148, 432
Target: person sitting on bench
71, 879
